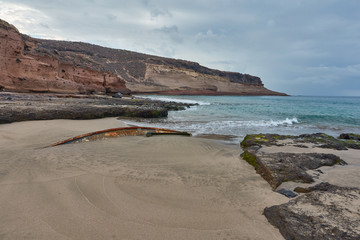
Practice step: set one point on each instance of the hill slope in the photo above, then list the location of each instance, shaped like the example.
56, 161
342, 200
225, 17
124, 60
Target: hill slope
37, 65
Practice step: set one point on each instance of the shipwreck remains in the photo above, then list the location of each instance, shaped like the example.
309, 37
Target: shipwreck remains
120, 132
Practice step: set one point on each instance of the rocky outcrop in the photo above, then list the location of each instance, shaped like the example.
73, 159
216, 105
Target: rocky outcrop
290, 164
36, 65
329, 212
279, 167
15, 107
321, 140
23, 71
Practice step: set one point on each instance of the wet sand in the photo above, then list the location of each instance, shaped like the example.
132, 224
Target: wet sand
162, 187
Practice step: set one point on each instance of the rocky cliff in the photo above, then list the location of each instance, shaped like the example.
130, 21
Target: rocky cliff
36, 65
23, 70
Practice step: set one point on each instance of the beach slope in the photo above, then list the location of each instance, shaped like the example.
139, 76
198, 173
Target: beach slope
162, 187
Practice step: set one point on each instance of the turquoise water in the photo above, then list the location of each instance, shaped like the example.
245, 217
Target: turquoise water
241, 115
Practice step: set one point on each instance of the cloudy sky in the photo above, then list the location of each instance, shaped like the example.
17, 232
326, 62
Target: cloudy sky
301, 47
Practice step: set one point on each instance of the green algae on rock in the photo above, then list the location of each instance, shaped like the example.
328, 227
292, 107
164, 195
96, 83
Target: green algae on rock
250, 158
280, 167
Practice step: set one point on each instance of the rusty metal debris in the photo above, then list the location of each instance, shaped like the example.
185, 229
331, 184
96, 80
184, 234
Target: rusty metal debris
120, 132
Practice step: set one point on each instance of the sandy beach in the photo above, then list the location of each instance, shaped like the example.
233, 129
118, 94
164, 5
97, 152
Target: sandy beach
163, 187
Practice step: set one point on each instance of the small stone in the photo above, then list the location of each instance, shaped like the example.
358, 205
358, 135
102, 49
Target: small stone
287, 193
117, 95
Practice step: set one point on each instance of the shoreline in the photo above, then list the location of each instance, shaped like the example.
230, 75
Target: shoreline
175, 176
17, 107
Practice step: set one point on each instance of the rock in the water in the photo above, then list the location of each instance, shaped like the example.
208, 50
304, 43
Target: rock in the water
329, 212
117, 95
350, 136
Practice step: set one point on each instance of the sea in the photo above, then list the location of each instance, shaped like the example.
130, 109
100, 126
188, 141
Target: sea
232, 117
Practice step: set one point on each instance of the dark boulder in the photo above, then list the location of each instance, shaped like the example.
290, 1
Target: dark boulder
329, 212
277, 168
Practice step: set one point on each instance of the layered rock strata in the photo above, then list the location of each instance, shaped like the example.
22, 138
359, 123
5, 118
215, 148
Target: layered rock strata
23, 71
36, 65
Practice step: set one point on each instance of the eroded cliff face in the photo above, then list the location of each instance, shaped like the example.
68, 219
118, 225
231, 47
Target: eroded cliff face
22, 71
36, 65
172, 80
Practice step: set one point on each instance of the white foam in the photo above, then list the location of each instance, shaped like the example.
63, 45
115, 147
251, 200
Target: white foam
234, 127
178, 100
271, 123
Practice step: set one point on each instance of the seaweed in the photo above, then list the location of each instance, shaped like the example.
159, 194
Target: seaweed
250, 158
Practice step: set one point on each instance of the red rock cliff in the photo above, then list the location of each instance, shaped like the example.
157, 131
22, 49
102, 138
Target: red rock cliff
24, 72
37, 65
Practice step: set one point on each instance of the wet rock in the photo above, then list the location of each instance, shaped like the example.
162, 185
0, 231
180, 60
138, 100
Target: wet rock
280, 167
287, 193
350, 136
24, 107
328, 212
322, 187
263, 140
277, 168
322, 140
117, 95
323, 211
325, 141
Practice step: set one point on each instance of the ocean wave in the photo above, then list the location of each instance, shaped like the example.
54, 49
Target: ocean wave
271, 123
222, 127
178, 100
258, 123
229, 127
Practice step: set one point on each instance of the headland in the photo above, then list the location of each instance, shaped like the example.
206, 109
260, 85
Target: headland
47, 66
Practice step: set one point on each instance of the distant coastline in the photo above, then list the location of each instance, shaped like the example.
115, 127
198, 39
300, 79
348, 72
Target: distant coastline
49, 66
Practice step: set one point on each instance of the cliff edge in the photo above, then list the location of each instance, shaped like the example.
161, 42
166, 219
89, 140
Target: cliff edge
36, 65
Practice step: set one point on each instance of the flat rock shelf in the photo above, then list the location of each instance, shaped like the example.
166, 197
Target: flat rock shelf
17, 107
301, 167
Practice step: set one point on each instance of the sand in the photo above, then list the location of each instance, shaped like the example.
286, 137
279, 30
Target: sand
163, 187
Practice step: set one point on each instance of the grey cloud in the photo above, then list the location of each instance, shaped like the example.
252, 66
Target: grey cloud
171, 31
299, 47
158, 12
111, 17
